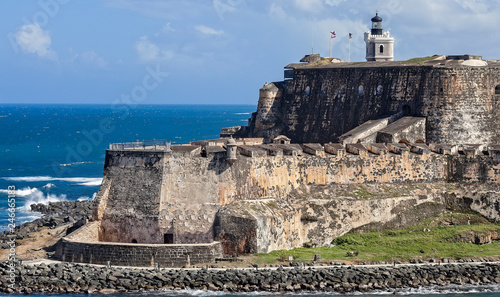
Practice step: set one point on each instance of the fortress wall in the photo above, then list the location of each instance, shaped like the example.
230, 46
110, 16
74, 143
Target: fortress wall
157, 193
131, 196
459, 103
463, 107
192, 191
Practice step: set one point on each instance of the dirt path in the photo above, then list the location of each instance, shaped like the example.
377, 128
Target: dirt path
38, 245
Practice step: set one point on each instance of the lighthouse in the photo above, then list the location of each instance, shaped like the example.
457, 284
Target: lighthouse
379, 44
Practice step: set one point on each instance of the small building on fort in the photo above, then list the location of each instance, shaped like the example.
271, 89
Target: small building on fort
379, 44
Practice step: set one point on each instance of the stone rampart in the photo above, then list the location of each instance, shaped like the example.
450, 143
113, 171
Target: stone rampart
322, 103
175, 197
81, 247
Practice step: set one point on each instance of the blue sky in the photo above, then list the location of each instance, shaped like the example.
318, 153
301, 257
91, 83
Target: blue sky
211, 51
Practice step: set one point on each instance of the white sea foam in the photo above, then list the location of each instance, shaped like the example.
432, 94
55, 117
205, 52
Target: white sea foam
21, 192
87, 198
74, 163
39, 197
242, 113
81, 181
49, 186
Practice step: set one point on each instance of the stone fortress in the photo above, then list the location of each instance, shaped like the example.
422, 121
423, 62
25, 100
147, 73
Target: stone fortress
333, 147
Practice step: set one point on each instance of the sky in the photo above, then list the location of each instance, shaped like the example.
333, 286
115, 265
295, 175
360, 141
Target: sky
210, 51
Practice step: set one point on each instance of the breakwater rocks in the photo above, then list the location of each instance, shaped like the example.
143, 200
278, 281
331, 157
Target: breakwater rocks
77, 278
55, 214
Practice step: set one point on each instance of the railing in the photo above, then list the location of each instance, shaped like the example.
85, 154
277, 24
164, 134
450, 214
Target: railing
155, 144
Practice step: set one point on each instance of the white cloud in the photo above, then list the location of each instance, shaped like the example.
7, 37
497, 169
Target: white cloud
276, 11
208, 31
476, 6
150, 52
334, 2
309, 5
34, 40
167, 28
92, 58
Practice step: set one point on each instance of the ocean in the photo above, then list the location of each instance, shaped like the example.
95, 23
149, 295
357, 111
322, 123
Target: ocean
56, 153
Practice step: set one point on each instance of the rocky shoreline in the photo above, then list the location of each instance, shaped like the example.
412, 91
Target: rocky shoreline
55, 214
78, 278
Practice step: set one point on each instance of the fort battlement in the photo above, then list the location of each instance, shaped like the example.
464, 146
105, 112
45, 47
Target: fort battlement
157, 196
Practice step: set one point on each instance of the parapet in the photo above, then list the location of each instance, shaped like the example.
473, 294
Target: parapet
255, 148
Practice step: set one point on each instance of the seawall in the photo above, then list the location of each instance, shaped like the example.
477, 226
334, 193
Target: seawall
340, 279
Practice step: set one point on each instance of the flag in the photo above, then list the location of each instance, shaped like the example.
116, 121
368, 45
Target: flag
350, 35
333, 34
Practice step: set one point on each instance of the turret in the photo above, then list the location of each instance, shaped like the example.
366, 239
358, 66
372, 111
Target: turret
231, 148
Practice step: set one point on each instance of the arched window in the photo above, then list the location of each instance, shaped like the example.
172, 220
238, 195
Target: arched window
134, 240
168, 238
379, 90
381, 49
360, 90
307, 90
497, 90
406, 110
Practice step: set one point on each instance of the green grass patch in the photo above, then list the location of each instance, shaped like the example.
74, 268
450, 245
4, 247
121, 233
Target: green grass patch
419, 60
436, 238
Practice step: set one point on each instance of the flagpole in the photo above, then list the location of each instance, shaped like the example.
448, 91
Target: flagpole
330, 46
349, 50
312, 40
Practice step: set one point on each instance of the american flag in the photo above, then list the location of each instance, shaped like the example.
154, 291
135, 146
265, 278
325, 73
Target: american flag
333, 34
350, 35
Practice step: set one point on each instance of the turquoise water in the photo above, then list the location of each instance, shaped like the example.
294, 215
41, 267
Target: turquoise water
56, 152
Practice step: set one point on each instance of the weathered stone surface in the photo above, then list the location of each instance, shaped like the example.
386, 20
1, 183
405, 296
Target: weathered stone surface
407, 129
363, 131
183, 197
322, 103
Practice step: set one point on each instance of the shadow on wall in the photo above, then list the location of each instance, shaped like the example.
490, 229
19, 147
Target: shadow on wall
218, 163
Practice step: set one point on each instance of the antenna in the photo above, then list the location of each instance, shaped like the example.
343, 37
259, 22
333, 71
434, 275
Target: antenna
312, 40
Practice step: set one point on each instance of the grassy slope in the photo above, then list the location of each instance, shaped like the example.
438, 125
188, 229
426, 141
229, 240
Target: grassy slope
437, 238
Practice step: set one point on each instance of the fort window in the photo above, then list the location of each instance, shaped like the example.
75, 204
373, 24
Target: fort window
360, 90
381, 49
168, 238
406, 110
308, 90
379, 90
134, 240
497, 90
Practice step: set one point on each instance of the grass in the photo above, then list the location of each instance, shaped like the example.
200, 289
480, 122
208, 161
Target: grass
419, 60
435, 238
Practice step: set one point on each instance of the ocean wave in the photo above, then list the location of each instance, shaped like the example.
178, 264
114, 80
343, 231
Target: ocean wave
75, 163
81, 181
49, 186
21, 192
242, 113
39, 197
87, 198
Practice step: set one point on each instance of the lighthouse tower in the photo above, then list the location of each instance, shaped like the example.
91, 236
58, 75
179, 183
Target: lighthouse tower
379, 44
